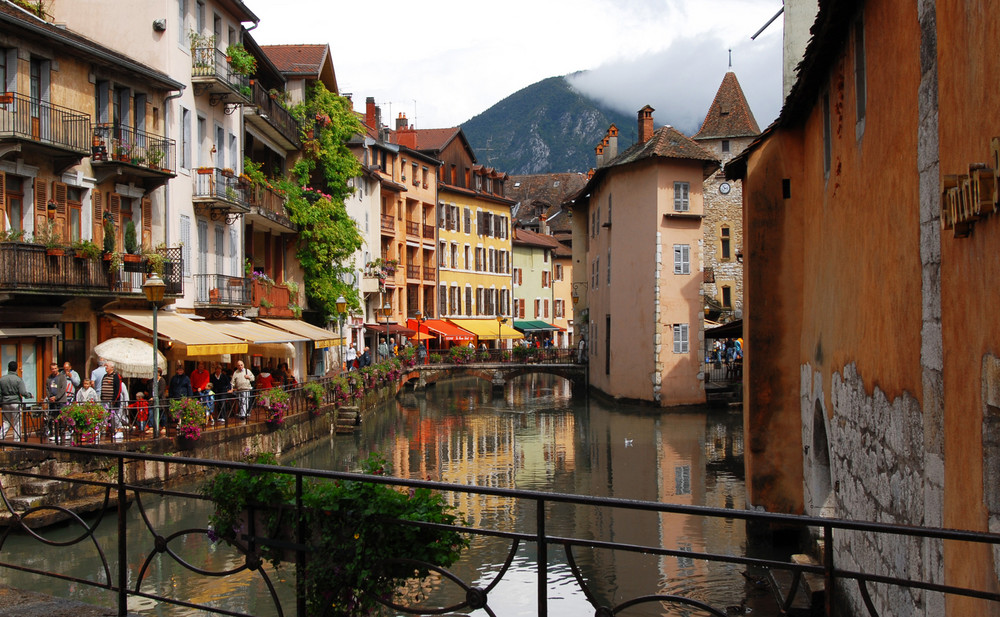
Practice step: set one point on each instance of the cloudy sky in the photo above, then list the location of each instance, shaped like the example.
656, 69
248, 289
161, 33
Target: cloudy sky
442, 62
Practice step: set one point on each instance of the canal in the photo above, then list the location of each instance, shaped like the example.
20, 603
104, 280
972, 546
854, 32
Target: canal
536, 436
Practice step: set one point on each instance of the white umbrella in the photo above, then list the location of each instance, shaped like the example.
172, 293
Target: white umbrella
132, 357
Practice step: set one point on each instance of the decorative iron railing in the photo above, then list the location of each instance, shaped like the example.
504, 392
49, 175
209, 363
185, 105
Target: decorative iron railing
388, 223
428, 232
221, 290
129, 561
412, 228
268, 200
126, 144
219, 184
430, 273
32, 119
275, 114
34, 268
209, 62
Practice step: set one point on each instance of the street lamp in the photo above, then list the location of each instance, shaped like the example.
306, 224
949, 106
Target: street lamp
420, 320
386, 310
153, 289
500, 322
341, 314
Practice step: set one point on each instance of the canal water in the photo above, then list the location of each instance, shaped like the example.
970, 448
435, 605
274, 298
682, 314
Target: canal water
535, 436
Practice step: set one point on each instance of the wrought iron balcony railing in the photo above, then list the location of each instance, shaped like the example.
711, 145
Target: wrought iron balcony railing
220, 191
126, 144
272, 112
430, 273
270, 203
412, 228
428, 232
221, 290
32, 268
388, 223
210, 68
34, 120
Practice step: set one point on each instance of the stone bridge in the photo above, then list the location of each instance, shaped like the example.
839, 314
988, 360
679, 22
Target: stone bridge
497, 373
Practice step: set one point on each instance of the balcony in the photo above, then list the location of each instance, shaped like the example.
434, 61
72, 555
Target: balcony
212, 74
413, 272
33, 123
221, 291
430, 273
269, 205
388, 224
413, 228
219, 195
31, 269
271, 299
428, 232
272, 119
122, 149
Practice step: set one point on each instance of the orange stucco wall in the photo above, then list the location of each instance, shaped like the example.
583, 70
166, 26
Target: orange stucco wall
968, 63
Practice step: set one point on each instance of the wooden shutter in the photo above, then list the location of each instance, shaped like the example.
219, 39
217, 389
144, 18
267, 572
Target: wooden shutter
59, 195
95, 200
3, 192
147, 223
41, 201
115, 207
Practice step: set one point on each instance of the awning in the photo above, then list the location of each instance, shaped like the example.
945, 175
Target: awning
535, 325
447, 331
733, 329
487, 329
198, 338
19, 332
256, 333
321, 337
394, 329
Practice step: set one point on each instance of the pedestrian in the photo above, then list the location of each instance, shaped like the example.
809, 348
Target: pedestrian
265, 381
97, 375
351, 357
55, 395
160, 413
220, 386
139, 411
73, 375
366, 357
12, 393
393, 347
581, 355
199, 378
111, 392
241, 384
180, 384
87, 393
383, 350
421, 353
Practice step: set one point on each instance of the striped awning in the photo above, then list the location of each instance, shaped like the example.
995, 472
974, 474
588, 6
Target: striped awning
487, 329
196, 337
447, 331
321, 337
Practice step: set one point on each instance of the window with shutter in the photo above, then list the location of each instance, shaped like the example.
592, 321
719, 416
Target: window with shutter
41, 199
185, 229
98, 214
147, 223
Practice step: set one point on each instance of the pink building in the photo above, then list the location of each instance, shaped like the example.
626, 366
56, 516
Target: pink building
637, 231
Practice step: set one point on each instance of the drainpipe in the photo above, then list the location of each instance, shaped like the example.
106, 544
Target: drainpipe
166, 187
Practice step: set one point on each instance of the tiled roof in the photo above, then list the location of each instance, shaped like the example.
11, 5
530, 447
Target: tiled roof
530, 238
297, 59
434, 140
666, 142
547, 191
729, 115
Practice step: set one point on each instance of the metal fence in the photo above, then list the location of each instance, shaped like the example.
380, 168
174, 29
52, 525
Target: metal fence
32, 119
532, 535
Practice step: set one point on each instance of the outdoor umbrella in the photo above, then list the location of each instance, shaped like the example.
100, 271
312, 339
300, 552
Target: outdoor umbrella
132, 357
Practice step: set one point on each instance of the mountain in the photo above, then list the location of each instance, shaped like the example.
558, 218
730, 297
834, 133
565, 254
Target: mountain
547, 127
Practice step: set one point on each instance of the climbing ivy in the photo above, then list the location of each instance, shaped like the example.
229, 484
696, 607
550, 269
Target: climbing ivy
315, 193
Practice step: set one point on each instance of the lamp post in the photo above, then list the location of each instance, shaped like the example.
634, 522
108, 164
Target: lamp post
500, 321
385, 311
341, 314
153, 289
420, 320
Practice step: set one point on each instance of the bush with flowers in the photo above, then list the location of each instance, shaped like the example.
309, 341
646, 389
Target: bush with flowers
82, 418
275, 402
190, 415
461, 354
365, 539
313, 391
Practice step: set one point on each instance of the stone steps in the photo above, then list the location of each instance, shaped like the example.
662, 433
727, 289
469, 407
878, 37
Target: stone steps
810, 596
348, 420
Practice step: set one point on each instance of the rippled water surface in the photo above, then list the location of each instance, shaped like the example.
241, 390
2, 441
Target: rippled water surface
535, 436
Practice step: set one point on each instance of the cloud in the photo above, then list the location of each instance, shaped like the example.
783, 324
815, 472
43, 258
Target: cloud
680, 81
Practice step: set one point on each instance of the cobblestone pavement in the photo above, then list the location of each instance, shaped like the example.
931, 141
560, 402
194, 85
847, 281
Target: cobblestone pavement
18, 603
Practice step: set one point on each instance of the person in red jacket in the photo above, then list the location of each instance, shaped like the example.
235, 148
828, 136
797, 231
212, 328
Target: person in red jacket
199, 378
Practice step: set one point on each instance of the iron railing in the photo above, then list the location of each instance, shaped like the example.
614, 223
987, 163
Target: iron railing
221, 290
31, 268
525, 529
126, 144
412, 228
32, 119
269, 201
430, 273
412, 272
428, 232
275, 114
212, 183
388, 223
210, 63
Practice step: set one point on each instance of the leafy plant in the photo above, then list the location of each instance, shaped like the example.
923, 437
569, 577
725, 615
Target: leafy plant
155, 156
242, 61
363, 543
87, 249
275, 402
130, 241
82, 418
46, 234
314, 391
115, 263
12, 235
461, 354
109, 234
435, 358
190, 414
155, 262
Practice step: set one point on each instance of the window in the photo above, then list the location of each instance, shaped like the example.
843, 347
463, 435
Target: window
74, 202
545, 278
234, 251
682, 259
467, 219
186, 243
538, 307
443, 300
220, 249
681, 203
725, 146
202, 247
609, 209
182, 32
725, 242
443, 255
727, 297
202, 136
13, 189
454, 255
559, 272
860, 87
217, 28
545, 257
199, 24
517, 276
185, 138
545, 309
468, 301
681, 338
558, 309
520, 308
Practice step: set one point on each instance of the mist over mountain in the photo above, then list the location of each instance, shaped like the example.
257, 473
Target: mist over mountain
547, 127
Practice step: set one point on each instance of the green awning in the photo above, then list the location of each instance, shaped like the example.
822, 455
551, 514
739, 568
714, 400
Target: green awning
534, 325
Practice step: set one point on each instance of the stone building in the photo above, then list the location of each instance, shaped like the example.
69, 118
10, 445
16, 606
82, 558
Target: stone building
729, 127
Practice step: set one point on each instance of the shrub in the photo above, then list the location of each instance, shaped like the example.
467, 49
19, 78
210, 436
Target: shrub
190, 415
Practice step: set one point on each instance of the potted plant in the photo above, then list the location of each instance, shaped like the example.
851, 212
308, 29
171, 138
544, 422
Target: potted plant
190, 414
155, 157
275, 403
241, 60
205, 170
131, 243
85, 249
47, 236
109, 235
84, 419
364, 540
154, 262
314, 391
6, 98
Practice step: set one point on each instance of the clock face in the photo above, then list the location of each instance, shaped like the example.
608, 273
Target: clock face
724, 188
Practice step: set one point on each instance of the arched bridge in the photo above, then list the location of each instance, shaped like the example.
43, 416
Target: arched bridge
497, 373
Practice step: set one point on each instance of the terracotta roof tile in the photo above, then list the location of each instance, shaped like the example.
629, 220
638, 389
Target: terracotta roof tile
297, 59
666, 142
729, 115
530, 238
435, 140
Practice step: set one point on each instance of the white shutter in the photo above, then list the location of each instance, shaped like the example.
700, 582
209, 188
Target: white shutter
186, 244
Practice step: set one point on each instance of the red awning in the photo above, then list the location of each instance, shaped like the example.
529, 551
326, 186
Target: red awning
394, 329
445, 330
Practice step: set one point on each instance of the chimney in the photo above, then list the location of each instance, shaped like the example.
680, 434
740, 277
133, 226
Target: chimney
600, 154
406, 136
542, 227
401, 121
371, 113
645, 124
612, 150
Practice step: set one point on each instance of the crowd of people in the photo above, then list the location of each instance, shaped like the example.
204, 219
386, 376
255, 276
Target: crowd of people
225, 393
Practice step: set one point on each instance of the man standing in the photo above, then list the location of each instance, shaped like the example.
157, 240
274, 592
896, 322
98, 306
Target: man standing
351, 357
12, 393
241, 384
383, 350
111, 392
97, 375
180, 384
220, 385
74, 377
55, 393
366, 357
200, 378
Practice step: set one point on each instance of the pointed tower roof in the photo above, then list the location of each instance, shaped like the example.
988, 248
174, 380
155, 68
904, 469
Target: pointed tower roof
729, 115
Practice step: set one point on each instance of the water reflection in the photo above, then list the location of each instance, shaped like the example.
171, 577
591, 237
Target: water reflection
534, 436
